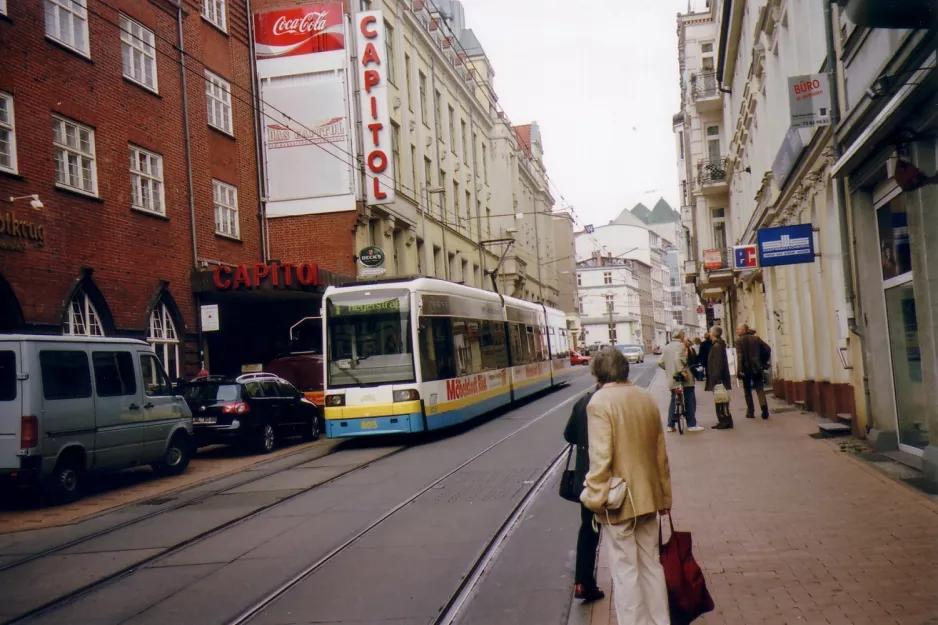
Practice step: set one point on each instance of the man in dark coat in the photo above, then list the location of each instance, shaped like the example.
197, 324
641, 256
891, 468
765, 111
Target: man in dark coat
587, 541
704, 354
752, 357
718, 372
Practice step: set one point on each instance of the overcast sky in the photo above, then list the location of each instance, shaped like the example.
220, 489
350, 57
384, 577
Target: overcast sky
601, 79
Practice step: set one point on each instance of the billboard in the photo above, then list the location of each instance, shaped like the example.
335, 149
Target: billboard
713, 259
375, 110
786, 245
745, 257
809, 100
298, 31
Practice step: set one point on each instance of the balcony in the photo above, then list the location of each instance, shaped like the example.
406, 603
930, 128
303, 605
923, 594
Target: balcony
711, 176
687, 215
690, 271
705, 92
718, 267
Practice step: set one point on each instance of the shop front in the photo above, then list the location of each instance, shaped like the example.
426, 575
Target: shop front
251, 314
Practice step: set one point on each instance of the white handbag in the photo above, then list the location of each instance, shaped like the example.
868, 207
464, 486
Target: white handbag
720, 394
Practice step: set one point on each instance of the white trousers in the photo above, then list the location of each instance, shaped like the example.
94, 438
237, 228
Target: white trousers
641, 596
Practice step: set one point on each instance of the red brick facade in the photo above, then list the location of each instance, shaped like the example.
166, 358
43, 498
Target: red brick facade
327, 240
133, 256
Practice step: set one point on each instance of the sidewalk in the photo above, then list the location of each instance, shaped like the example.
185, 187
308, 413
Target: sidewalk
789, 529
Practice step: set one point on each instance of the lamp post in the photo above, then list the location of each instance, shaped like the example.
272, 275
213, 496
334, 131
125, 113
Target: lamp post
34, 200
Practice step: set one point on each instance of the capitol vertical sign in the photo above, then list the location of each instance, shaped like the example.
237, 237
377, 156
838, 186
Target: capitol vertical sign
374, 106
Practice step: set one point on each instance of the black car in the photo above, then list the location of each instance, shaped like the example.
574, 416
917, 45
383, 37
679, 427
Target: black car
255, 409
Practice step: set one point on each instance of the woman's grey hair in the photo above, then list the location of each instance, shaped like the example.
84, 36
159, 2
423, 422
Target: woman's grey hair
610, 365
717, 331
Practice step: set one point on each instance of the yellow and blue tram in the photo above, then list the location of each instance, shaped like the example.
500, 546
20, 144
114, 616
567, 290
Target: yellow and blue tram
423, 354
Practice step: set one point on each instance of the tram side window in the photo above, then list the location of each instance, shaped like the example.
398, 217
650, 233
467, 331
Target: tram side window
437, 358
494, 347
519, 345
467, 347
533, 354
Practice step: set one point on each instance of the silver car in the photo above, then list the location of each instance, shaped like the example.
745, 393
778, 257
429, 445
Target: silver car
634, 353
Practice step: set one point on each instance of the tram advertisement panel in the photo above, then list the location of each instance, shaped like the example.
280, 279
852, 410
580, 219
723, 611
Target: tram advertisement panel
455, 393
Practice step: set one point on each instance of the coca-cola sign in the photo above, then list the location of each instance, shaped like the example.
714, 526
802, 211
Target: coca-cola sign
302, 30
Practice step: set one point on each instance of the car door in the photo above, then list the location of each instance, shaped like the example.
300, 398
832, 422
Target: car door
273, 403
119, 413
11, 404
68, 415
292, 413
162, 412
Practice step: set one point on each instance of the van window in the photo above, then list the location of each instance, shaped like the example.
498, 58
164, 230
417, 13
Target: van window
114, 374
7, 375
65, 374
155, 381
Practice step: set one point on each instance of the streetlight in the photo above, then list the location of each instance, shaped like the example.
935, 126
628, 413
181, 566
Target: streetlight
33, 200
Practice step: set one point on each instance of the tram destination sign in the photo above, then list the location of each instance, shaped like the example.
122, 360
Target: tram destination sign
369, 308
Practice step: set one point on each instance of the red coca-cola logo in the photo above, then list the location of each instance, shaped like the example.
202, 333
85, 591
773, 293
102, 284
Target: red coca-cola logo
300, 30
309, 23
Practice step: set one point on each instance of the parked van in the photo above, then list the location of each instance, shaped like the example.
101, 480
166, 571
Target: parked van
73, 405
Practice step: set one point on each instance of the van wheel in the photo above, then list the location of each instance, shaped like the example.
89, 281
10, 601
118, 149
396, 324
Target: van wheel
176, 458
67, 479
267, 439
313, 430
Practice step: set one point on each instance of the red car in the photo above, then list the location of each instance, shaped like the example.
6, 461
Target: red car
576, 358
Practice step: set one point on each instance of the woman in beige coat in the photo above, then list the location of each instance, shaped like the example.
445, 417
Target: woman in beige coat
626, 440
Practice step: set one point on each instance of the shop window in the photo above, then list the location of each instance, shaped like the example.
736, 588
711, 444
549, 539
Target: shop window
138, 53
114, 374
67, 23
895, 252
65, 374
162, 336
83, 319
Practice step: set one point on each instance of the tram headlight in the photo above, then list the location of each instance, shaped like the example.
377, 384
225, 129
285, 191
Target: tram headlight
408, 395
334, 401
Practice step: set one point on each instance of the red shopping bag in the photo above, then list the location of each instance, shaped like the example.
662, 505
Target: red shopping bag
688, 597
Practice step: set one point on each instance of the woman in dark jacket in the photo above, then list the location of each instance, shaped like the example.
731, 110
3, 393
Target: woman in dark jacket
718, 372
587, 541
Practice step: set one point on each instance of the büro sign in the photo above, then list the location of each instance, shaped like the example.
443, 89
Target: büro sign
375, 112
262, 275
297, 31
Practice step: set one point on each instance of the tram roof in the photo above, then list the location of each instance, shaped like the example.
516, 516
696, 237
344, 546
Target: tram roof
419, 285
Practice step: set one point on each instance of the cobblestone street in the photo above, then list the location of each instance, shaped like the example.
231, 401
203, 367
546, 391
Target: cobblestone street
789, 529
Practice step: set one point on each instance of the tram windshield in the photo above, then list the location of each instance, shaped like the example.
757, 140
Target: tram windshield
369, 339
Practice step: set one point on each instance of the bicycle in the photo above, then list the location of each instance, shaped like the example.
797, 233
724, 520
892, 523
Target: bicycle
680, 414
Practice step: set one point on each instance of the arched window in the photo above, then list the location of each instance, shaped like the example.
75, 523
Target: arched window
162, 336
83, 319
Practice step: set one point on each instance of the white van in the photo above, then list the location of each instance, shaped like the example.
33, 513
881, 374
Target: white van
72, 405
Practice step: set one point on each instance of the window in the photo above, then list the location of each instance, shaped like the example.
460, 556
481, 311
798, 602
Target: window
138, 53
74, 156
613, 336
427, 171
465, 271
146, 181
420, 257
475, 276
456, 201
156, 384
8, 375
422, 80
3, 7
226, 209
706, 56
610, 303
67, 23
114, 374
713, 143
468, 212
485, 164
214, 11
437, 355
389, 50
218, 102
579, 279
479, 217
65, 374
452, 130
396, 154
607, 277
436, 264
475, 153
680, 143
719, 228
164, 340
410, 84
7, 134
413, 170
83, 319
438, 122
465, 144
894, 242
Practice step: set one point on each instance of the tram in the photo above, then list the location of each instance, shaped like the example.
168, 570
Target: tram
411, 355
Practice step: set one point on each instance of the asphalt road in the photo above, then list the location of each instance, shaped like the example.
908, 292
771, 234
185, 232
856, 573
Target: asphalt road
228, 552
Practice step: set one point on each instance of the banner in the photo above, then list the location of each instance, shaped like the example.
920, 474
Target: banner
297, 31
786, 245
374, 105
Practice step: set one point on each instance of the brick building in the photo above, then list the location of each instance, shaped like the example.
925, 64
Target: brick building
141, 188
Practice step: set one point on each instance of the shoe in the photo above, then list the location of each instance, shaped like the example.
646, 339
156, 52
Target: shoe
723, 426
750, 416
671, 428
588, 595
696, 428
765, 413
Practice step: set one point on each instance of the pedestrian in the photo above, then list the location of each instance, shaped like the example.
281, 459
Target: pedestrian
626, 441
752, 357
718, 372
587, 542
697, 345
674, 361
704, 353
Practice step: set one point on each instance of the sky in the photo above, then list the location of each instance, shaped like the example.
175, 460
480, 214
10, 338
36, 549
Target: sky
601, 80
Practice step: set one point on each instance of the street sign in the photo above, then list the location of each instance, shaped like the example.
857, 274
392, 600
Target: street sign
209, 315
745, 257
372, 271
588, 229
809, 100
786, 245
713, 259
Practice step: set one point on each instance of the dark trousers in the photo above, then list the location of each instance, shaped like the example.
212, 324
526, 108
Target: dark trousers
690, 408
750, 383
587, 542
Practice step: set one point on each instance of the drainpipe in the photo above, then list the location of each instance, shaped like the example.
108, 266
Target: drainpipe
188, 141
258, 144
845, 221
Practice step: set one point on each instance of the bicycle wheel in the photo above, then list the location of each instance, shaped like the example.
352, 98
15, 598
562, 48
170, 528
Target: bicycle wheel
681, 424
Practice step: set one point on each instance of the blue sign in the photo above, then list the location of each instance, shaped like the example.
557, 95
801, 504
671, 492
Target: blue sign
788, 153
787, 245
744, 257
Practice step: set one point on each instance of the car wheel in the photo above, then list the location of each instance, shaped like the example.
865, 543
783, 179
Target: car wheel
176, 458
313, 430
67, 480
267, 439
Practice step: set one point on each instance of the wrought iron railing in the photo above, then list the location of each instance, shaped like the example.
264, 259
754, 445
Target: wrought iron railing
703, 86
711, 171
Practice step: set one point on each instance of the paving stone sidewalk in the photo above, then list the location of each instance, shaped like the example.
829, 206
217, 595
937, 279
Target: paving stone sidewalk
791, 530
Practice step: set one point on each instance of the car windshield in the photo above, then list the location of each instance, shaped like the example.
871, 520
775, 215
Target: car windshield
630, 348
206, 392
369, 338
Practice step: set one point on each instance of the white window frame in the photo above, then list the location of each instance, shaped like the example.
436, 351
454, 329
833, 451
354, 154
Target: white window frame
75, 10
142, 45
215, 11
62, 147
3, 7
9, 125
610, 303
218, 91
162, 336
146, 180
85, 321
607, 277
226, 209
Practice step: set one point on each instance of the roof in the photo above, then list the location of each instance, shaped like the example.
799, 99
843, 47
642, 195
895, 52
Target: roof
662, 213
641, 211
524, 137
630, 218
67, 338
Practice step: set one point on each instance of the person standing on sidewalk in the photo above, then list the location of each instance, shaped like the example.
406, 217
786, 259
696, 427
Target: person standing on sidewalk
703, 354
675, 365
626, 441
718, 372
752, 354
587, 542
